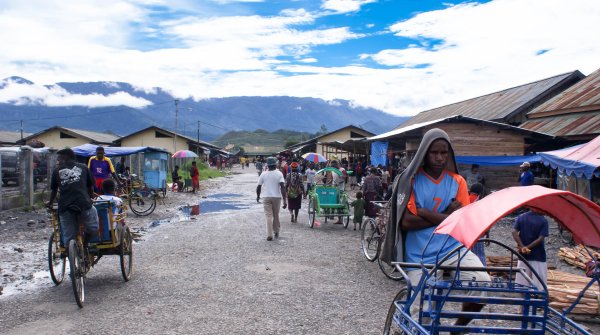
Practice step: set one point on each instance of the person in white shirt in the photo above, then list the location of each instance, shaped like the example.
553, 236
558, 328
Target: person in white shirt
274, 191
310, 177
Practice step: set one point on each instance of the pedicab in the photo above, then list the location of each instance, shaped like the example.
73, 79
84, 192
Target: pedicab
429, 306
328, 201
113, 238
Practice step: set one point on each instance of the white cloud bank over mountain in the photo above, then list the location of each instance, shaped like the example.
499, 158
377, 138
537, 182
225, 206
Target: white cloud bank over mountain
19, 93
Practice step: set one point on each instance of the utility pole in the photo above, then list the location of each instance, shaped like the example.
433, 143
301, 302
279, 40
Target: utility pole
21, 130
176, 121
198, 138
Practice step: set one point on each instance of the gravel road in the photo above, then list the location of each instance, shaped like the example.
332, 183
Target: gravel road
214, 273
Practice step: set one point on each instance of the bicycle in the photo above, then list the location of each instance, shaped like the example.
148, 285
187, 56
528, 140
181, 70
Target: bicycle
113, 238
142, 199
372, 236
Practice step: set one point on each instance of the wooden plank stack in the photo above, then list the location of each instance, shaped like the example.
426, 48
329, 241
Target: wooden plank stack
577, 256
564, 288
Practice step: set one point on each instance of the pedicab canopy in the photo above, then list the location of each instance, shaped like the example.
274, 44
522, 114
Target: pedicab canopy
577, 214
334, 170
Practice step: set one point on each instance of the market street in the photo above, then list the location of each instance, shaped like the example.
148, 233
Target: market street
216, 273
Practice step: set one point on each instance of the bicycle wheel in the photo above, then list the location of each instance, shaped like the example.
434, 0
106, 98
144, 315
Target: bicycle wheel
311, 213
77, 271
388, 270
142, 202
391, 326
57, 263
346, 219
126, 253
369, 239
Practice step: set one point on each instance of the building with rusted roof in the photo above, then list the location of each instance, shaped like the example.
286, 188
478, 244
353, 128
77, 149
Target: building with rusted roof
574, 114
507, 106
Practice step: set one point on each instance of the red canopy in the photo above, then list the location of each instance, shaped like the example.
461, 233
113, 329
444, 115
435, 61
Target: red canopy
579, 215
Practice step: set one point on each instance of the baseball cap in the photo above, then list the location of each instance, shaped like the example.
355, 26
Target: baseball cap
271, 161
525, 164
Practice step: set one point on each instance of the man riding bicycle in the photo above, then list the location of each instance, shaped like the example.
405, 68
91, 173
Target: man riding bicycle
75, 183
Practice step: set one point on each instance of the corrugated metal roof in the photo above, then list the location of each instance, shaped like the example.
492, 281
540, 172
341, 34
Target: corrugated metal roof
566, 125
585, 93
11, 137
455, 118
496, 106
94, 136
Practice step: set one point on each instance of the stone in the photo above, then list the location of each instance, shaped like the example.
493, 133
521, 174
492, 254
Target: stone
30, 222
18, 249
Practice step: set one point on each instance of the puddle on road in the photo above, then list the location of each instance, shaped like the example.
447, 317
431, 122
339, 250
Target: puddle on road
206, 206
224, 195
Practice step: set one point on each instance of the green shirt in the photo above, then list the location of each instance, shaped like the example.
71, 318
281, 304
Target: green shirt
359, 207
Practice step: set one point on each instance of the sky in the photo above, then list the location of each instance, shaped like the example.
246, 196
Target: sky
399, 56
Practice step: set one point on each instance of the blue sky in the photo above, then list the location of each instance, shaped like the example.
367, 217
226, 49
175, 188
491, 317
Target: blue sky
400, 56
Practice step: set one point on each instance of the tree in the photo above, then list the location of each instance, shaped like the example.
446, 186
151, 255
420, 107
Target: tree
289, 143
323, 130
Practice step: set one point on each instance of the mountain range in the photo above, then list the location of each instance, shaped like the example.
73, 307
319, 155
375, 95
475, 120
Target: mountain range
44, 106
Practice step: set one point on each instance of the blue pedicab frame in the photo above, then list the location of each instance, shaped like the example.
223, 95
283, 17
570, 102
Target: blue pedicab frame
535, 316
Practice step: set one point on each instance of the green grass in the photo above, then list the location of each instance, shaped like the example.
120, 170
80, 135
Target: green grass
205, 172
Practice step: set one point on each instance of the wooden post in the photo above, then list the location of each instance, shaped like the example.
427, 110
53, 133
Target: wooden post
26, 166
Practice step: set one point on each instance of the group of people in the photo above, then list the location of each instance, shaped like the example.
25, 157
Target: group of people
178, 180
427, 192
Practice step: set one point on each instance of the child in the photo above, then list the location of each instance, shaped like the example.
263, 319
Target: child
108, 186
359, 210
529, 231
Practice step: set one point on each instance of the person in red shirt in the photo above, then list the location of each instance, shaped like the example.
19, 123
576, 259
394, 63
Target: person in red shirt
195, 174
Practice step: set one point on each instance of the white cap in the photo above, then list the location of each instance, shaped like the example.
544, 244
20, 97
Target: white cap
525, 164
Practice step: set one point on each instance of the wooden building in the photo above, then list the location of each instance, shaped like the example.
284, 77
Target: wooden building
334, 143
470, 137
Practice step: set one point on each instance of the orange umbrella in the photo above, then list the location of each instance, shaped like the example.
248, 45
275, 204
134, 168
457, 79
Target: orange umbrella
577, 214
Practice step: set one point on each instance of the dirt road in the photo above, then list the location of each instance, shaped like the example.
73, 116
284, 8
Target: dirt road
215, 273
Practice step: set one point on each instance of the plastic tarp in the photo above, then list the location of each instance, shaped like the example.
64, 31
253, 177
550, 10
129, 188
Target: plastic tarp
577, 214
89, 150
379, 153
498, 160
581, 160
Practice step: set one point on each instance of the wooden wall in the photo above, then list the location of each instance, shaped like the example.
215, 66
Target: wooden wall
470, 139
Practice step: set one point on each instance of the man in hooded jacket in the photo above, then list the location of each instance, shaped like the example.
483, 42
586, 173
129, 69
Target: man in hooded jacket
427, 192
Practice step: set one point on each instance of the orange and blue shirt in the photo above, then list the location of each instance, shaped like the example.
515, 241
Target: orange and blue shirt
435, 195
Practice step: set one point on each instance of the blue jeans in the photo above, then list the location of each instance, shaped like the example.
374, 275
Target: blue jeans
69, 223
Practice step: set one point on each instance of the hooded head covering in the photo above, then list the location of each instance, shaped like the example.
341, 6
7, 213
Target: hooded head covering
402, 190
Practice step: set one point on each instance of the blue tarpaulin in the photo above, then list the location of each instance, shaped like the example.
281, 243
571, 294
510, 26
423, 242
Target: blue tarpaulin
498, 160
379, 153
89, 150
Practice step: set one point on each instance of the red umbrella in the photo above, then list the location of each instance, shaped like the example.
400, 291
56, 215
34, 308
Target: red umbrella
579, 215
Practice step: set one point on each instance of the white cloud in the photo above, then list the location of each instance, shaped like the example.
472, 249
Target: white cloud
456, 53
56, 96
345, 6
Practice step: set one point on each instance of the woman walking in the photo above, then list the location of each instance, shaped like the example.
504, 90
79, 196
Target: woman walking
295, 191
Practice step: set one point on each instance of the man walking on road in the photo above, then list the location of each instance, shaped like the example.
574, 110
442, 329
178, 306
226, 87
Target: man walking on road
274, 184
